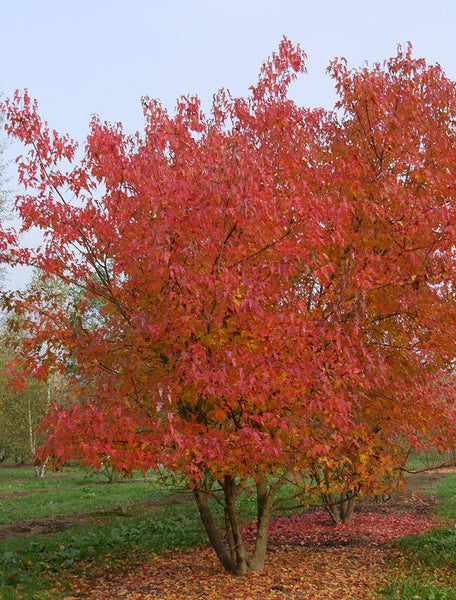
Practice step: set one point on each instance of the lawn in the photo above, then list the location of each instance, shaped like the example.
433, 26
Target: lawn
138, 540
425, 565
75, 499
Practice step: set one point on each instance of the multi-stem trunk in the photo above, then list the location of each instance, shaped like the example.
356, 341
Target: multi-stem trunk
231, 549
40, 468
341, 509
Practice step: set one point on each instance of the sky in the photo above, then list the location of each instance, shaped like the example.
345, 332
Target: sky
86, 57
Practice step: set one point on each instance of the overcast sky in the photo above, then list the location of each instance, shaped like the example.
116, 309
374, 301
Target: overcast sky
79, 58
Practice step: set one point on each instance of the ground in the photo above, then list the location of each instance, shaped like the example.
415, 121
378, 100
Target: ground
55, 524
308, 558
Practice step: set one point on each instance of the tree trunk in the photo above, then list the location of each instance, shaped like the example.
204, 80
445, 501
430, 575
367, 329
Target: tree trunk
230, 536
262, 496
235, 557
40, 469
241, 558
265, 502
216, 541
347, 507
341, 510
30, 426
332, 506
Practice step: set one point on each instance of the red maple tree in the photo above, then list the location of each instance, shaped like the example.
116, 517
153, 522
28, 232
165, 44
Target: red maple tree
264, 292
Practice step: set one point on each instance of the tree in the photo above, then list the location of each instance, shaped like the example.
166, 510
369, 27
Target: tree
23, 405
21, 411
5, 197
394, 165
274, 284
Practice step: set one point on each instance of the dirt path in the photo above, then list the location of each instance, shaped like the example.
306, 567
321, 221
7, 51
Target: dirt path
53, 525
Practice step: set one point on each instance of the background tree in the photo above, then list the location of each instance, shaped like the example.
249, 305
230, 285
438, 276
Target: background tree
23, 405
21, 412
274, 285
393, 162
8, 237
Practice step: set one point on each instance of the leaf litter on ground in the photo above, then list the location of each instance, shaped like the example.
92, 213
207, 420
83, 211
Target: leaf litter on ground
309, 559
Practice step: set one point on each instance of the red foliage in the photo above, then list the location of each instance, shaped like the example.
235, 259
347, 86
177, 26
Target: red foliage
265, 290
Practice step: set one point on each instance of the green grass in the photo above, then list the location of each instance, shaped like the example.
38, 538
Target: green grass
24, 478
419, 590
49, 482
428, 561
48, 567
427, 460
7, 472
28, 565
83, 499
17, 478
31, 565
446, 492
68, 493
